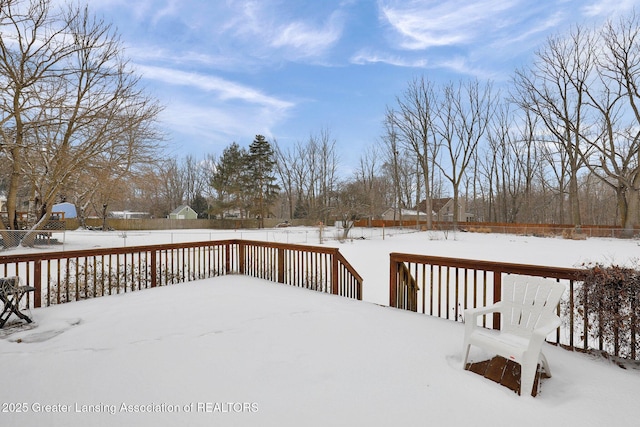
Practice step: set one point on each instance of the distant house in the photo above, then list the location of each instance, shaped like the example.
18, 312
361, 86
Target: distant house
443, 209
129, 215
392, 214
183, 212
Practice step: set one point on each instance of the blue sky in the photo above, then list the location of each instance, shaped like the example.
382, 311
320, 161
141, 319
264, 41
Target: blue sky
227, 70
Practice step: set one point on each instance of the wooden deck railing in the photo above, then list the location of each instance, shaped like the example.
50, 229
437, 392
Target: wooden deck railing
444, 287
61, 277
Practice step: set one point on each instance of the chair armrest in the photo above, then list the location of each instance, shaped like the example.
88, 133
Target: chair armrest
471, 316
539, 334
481, 311
547, 327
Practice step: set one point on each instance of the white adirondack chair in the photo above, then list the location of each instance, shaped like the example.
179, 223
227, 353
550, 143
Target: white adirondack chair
528, 314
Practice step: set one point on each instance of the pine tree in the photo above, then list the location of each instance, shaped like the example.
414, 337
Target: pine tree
230, 180
261, 164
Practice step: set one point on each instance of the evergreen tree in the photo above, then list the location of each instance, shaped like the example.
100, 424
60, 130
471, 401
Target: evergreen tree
200, 205
230, 180
261, 164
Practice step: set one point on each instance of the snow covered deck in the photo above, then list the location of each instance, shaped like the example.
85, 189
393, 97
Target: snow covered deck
236, 350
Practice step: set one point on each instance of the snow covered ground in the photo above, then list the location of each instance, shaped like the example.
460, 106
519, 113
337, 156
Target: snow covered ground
234, 350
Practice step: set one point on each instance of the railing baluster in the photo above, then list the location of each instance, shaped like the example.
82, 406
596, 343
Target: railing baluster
67, 282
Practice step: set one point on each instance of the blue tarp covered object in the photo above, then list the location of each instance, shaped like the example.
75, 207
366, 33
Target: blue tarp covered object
69, 209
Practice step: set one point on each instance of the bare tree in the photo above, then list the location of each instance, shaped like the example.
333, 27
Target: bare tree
414, 124
509, 164
326, 161
464, 114
309, 173
68, 96
554, 89
195, 174
304, 175
351, 201
399, 167
615, 101
286, 164
390, 140
374, 187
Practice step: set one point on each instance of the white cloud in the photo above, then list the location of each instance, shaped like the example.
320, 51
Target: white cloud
224, 89
367, 57
213, 110
141, 10
464, 66
208, 123
428, 23
210, 128
306, 39
267, 25
609, 7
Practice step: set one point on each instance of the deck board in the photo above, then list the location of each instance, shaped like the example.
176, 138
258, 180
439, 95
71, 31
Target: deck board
505, 372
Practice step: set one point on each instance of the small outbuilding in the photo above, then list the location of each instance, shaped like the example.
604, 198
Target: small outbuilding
69, 210
183, 212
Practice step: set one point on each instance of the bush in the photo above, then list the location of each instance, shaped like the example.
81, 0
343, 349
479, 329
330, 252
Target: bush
609, 298
90, 279
480, 230
573, 234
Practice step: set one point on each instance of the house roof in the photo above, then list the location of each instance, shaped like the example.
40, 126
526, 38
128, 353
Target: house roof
180, 209
406, 212
436, 204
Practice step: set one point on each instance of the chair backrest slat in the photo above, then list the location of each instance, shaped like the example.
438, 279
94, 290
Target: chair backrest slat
528, 301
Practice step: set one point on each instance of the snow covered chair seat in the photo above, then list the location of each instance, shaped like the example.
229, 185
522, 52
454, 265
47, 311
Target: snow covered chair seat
527, 315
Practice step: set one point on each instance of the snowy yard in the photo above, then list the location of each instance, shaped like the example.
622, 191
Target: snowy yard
235, 350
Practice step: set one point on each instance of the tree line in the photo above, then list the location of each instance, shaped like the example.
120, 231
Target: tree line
557, 144
560, 144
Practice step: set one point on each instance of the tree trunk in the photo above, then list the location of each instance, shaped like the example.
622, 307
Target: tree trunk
630, 220
12, 239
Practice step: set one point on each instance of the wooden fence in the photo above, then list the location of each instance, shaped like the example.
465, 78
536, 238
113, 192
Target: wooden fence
187, 224
567, 230
61, 277
445, 287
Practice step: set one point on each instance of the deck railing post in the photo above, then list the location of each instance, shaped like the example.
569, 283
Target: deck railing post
227, 258
281, 265
393, 282
334, 273
37, 283
154, 269
241, 261
497, 295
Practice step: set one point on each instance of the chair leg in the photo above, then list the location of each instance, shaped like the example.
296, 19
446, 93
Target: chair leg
465, 351
6, 313
527, 377
545, 365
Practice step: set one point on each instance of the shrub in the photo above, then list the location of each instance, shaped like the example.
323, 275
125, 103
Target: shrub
480, 230
609, 298
82, 280
573, 234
